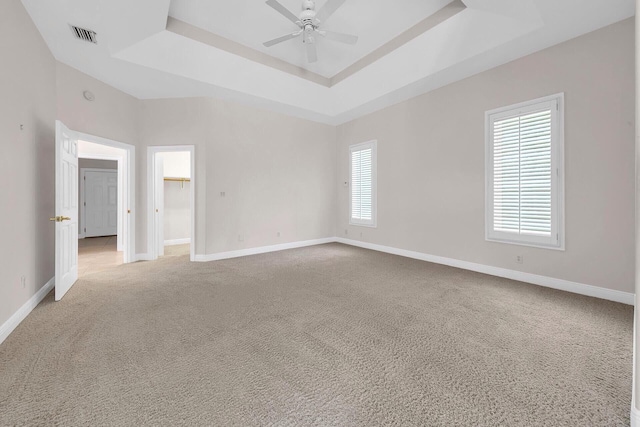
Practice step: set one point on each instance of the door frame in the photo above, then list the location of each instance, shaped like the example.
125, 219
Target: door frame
83, 207
152, 228
126, 183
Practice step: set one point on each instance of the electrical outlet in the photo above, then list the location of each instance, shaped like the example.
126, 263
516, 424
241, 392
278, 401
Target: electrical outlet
23, 282
240, 238
519, 259
223, 194
278, 234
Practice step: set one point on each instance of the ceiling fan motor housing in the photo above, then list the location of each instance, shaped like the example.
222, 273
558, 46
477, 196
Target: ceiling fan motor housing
308, 5
308, 17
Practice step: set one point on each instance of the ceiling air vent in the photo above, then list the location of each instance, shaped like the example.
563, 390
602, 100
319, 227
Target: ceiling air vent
84, 34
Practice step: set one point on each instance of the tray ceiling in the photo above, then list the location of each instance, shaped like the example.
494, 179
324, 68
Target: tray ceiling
190, 48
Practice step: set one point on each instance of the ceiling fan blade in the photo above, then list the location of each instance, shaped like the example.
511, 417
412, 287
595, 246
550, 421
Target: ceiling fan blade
283, 11
312, 52
328, 9
339, 37
282, 39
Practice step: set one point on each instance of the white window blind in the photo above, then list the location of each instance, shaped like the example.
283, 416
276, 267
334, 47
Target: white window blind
524, 192
363, 161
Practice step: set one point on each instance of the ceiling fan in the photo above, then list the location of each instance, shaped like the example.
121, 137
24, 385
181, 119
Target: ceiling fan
309, 23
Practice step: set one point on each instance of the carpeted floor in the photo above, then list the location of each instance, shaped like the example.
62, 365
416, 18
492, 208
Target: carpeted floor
325, 336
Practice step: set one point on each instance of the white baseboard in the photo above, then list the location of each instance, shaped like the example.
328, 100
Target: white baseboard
262, 250
549, 282
143, 257
23, 312
177, 242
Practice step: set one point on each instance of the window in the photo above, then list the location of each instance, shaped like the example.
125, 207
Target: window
363, 159
524, 145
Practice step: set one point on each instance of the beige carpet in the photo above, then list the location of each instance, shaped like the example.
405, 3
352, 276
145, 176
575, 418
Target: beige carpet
98, 254
326, 336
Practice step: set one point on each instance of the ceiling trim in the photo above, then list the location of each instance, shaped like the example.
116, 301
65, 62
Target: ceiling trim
184, 29
187, 30
447, 12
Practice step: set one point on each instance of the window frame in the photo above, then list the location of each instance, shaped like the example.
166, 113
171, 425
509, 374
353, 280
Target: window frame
373, 223
556, 102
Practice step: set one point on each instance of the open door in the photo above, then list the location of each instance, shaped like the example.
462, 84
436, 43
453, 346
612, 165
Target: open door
159, 198
66, 218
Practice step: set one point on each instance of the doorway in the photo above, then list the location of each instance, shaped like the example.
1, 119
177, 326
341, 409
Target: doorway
100, 209
171, 198
71, 146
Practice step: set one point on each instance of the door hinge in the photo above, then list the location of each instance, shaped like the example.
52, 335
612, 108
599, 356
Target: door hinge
85, 229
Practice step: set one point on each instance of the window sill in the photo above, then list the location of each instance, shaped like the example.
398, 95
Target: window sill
528, 244
363, 225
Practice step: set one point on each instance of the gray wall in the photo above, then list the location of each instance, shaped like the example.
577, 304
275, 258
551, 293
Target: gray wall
113, 114
431, 162
28, 96
97, 164
277, 172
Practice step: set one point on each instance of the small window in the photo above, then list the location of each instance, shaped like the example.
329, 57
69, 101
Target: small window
524, 145
363, 159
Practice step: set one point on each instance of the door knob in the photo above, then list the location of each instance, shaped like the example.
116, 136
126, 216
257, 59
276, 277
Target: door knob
60, 218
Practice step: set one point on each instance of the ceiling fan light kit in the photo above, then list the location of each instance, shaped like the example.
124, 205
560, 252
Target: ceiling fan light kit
309, 22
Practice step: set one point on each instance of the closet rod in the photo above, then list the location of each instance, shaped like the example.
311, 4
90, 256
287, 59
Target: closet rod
180, 180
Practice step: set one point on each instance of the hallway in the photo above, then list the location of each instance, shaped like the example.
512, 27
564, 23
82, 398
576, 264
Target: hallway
97, 254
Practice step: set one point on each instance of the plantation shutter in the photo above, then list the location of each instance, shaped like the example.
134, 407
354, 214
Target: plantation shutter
362, 184
523, 174
361, 179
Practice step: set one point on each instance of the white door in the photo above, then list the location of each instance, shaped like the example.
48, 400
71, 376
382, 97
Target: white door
66, 218
101, 203
159, 198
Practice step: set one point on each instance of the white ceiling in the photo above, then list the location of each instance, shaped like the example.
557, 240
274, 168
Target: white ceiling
136, 54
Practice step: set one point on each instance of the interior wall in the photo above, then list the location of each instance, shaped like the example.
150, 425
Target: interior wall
278, 176
261, 160
431, 170
176, 164
112, 115
265, 172
97, 164
28, 98
174, 122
